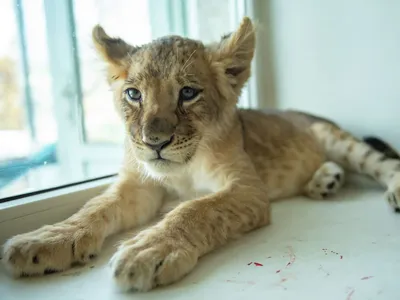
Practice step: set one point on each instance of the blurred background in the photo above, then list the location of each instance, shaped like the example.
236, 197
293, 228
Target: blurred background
337, 58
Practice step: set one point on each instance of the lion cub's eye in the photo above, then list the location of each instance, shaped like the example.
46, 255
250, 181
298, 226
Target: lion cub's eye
133, 94
188, 93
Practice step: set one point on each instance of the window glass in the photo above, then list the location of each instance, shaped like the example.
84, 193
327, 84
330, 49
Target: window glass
57, 121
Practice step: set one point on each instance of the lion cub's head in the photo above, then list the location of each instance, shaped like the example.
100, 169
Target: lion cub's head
174, 92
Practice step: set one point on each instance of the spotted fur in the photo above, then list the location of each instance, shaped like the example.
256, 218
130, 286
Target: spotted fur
360, 157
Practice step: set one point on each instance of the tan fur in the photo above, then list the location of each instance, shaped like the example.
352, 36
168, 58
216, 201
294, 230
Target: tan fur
240, 159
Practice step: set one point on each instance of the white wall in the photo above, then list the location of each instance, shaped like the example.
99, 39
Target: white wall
341, 59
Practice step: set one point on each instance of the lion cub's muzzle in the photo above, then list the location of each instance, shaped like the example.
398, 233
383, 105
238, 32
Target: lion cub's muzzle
158, 133
158, 146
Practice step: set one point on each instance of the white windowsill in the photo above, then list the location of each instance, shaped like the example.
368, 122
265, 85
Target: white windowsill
357, 225
28, 213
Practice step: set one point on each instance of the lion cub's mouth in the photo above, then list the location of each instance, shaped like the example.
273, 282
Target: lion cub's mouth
159, 157
160, 160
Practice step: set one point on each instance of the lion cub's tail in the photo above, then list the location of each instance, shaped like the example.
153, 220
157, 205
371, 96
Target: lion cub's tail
371, 157
382, 146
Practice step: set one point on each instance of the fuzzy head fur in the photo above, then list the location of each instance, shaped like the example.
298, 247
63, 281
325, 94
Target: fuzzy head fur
159, 71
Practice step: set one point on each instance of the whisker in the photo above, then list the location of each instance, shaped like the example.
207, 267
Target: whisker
187, 61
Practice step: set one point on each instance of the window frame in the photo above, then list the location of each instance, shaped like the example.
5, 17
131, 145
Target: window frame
27, 94
30, 212
66, 84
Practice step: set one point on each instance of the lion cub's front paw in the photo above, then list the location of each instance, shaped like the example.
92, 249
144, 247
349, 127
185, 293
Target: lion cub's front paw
50, 249
152, 258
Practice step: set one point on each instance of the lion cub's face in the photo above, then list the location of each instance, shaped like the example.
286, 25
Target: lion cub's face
174, 92
167, 100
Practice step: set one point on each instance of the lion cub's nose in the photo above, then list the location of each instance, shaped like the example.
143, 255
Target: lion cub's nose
156, 144
158, 133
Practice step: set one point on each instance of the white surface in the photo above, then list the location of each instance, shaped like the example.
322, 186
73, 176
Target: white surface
357, 225
340, 58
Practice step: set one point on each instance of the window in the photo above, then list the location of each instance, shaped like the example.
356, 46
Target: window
57, 121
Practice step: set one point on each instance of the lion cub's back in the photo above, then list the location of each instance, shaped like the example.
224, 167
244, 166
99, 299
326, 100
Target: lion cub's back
284, 152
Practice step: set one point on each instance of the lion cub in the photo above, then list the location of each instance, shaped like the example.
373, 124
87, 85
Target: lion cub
185, 134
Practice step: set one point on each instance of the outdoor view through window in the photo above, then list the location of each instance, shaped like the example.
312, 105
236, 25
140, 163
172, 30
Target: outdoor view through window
57, 121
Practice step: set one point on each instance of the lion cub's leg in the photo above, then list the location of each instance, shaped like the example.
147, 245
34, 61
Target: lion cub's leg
79, 238
359, 157
169, 250
327, 181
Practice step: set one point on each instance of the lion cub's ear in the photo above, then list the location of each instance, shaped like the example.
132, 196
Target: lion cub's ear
116, 52
235, 52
